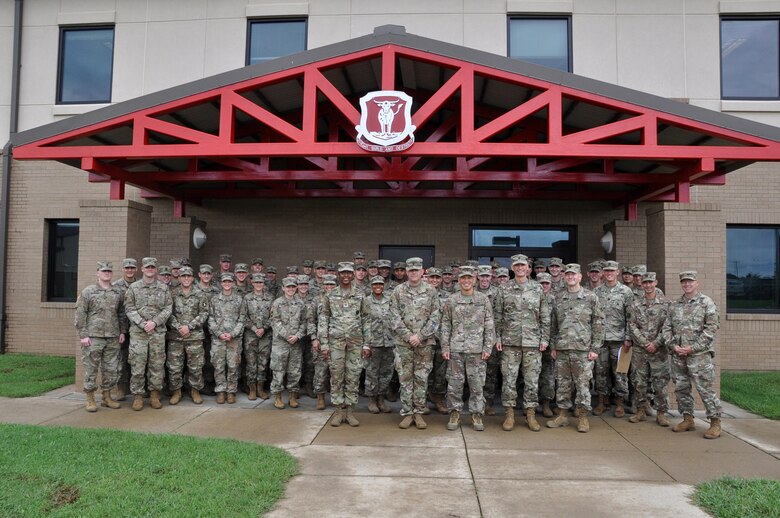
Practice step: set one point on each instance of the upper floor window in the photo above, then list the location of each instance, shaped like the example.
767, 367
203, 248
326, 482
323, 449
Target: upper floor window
271, 39
62, 260
750, 58
752, 269
86, 65
544, 40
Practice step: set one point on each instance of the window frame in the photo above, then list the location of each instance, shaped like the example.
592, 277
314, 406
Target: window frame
275, 19
744, 18
60, 56
569, 46
51, 262
479, 251
759, 311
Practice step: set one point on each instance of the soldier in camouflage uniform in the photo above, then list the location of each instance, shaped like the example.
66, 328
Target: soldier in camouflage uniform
307, 267
689, 334
270, 283
185, 337
539, 267
288, 320
547, 376
379, 367
437, 381
227, 316
616, 299
372, 268
484, 276
502, 276
416, 315
256, 265
594, 275
225, 262
447, 283
310, 302
576, 336
361, 279
242, 286
650, 359
176, 265
257, 336
627, 277
399, 275
102, 326
148, 304
523, 329
321, 363
467, 339
556, 273
164, 275
129, 270
345, 334
317, 287
384, 267
205, 284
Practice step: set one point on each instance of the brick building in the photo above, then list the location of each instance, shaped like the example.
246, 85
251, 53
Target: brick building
691, 185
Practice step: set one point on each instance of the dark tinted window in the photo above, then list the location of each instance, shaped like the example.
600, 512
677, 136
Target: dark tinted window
86, 65
271, 39
751, 269
63, 260
541, 40
750, 58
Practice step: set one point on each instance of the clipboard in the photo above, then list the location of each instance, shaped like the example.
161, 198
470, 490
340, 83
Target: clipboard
624, 360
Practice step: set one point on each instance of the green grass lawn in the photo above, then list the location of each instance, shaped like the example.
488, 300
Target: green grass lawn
757, 392
25, 375
53, 471
729, 497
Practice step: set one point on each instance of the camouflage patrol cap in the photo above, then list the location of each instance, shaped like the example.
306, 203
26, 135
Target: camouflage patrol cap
292, 269
185, 261
329, 279
149, 261
164, 270
358, 255
330, 267
241, 267
346, 266
625, 269
556, 261
544, 277
377, 279
383, 263
455, 263
185, 271
484, 270
399, 265
414, 263
466, 271
205, 268
639, 269
258, 277
690, 275
610, 265
105, 266
175, 263
227, 276
361, 267
257, 260
595, 266
502, 272
539, 264
271, 269
319, 264
572, 267
648, 277
373, 263
495, 264
289, 281
225, 258
446, 271
519, 259
473, 263
302, 279
434, 272
307, 263
129, 262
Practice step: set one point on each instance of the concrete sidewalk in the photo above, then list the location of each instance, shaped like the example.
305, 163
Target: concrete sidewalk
377, 469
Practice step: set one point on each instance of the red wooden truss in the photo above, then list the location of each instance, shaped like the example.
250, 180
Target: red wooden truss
481, 132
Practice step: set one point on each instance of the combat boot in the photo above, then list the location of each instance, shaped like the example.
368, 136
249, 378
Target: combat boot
107, 401
602, 406
338, 417
454, 421
91, 405
641, 414
546, 410
476, 423
176, 397
154, 400
119, 393
620, 410
661, 419
420, 422
714, 431
583, 426
220, 398
138, 402
293, 400
261, 393
509, 420
533, 424
382, 405
489, 407
372, 406
252, 392
320, 401
195, 394
686, 424
231, 398
438, 400
392, 396
351, 419
406, 422
309, 388
278, 403
562, 419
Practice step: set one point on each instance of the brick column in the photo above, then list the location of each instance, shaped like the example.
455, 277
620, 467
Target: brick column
109, 230
630, 241
171, 237
689, 236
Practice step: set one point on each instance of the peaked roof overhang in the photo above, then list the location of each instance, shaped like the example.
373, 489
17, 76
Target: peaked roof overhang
486, 127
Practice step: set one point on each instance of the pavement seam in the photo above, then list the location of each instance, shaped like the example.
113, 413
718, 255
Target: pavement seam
202, 412
641, 451
471, 471
311, 443
76, 409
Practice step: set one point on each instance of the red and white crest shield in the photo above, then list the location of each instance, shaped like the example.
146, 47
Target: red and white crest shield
385, 122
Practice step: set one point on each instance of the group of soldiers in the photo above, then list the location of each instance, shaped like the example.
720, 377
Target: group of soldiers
442, 332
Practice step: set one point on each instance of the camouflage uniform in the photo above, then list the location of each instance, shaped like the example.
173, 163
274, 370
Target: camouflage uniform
645, 323
257, 350
615, 301
693, 323
307, 361
437, 380
227, 314
145, 302
467, 331
493, 364
379, 368
344, 330
523, 324
191, 310
414, 310
288, 318
547, 376
576, 328
321, 365
123, 378
100, 316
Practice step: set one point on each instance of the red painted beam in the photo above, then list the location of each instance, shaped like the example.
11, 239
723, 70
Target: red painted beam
117, 189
